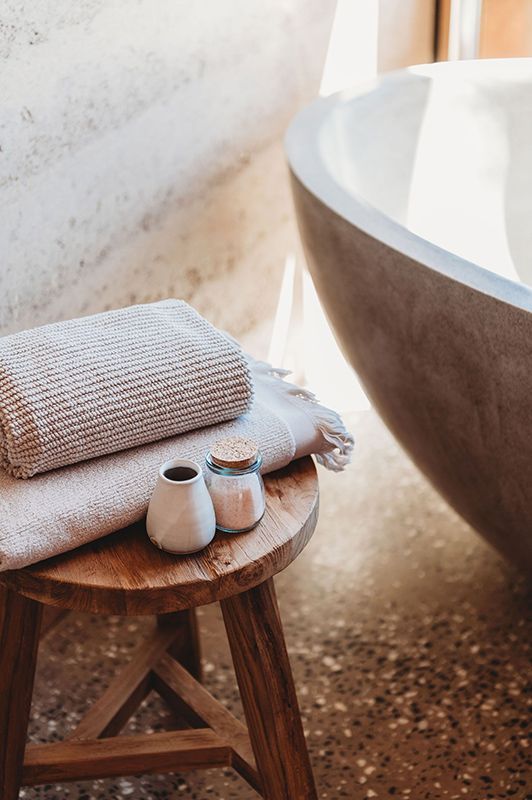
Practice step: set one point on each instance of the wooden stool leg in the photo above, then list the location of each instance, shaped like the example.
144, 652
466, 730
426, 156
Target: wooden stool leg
187, 649
20, 621
268, 694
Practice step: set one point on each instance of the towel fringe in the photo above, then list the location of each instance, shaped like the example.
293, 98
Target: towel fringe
328, 422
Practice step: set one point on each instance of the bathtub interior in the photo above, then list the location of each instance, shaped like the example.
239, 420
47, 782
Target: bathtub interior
446, 152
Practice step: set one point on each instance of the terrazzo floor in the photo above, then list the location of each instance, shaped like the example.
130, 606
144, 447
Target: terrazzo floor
410, 640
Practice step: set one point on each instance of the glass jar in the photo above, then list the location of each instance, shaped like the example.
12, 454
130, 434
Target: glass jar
235, 484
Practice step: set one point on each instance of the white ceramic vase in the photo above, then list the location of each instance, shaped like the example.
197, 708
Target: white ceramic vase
180, 514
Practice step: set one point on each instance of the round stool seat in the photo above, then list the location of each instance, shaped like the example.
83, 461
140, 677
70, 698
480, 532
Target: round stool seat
125, 574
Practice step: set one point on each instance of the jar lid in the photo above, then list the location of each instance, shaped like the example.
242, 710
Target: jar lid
235, 452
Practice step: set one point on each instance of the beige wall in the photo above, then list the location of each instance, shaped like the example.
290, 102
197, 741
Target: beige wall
141, 149
506, 29
406, 33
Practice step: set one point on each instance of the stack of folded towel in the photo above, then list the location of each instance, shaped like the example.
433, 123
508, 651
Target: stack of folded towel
91, 407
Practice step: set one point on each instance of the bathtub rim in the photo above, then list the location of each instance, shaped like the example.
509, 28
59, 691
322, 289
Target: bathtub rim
301, 143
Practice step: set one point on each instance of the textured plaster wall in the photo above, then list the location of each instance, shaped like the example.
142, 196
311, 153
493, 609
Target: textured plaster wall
141, 149
140, 152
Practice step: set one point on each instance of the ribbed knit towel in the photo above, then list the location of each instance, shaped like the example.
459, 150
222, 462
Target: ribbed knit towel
68, 507
74, 390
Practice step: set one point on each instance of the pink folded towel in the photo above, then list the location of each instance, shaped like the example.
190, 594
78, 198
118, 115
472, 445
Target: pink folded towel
96, 385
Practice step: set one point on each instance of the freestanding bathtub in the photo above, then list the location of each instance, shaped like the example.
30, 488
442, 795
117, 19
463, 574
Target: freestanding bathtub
414, 201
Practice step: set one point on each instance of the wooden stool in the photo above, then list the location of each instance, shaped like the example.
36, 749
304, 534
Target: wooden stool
125, 574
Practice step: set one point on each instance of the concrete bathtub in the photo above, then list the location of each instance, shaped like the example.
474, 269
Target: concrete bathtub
414, 201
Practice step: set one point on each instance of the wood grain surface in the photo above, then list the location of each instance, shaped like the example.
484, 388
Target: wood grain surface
20, 621
108, 715
192, 701
268, 694
187, 647
171, 751
124, 574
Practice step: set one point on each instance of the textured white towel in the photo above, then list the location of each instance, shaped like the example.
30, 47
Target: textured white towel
63, 509
91, 386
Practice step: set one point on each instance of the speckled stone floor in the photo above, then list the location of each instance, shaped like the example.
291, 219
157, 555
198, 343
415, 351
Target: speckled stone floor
411, 644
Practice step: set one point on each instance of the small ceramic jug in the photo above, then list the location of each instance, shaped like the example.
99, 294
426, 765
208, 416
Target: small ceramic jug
181, 515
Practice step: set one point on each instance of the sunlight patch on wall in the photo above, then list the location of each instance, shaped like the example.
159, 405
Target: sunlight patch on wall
327, 372
283, 314
302, 341
353, 45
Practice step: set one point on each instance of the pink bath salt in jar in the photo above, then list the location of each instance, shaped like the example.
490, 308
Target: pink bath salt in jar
235, 484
